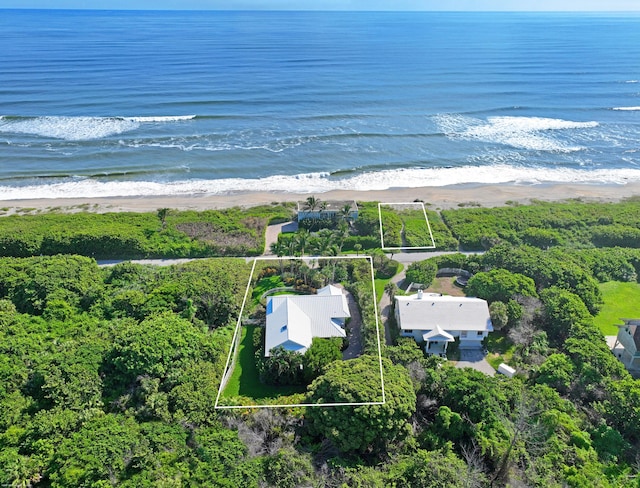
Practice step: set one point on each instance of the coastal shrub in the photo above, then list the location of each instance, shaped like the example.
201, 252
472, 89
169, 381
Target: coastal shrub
422, 272
126, 235
546, 224
365, 242
392, 227
500, 285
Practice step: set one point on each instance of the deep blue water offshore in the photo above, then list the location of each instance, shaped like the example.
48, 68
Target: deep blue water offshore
97, 103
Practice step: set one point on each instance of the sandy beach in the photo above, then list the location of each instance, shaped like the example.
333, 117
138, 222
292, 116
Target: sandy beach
436, 197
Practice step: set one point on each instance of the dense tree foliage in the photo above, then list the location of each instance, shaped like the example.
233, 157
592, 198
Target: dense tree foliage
500, 285
109, 376
422, 272
360, 428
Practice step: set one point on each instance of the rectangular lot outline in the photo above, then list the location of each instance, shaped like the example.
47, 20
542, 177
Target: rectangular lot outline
237, 332
403, 248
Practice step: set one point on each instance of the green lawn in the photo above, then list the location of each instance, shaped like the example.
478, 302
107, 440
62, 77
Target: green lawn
499, 348
264, 285
621, 300
245, 382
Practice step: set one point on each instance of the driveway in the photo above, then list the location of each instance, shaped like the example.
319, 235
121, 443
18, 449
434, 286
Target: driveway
272, 232
354, 349
475, 359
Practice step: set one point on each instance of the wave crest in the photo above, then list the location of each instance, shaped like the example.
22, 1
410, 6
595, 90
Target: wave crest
80, 128
323, 182
531, 133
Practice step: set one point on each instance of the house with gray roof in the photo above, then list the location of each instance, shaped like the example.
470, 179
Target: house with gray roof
627, 344
294, 320
436, 320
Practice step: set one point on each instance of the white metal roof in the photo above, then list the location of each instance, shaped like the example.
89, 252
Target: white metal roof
447, 312
300, 318
287, 324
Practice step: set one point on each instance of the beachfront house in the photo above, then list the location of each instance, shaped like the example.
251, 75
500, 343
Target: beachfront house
294, 320
331, 210
436, 320
627, 345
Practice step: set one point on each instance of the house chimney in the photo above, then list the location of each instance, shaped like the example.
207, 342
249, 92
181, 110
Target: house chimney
420, 294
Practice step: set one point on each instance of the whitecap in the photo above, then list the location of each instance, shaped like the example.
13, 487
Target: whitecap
164, 118
80, 128
70, 128
531, 133
630, 109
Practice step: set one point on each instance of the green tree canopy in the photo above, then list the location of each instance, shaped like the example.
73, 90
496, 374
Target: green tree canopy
360, 428
500, 285
422, 272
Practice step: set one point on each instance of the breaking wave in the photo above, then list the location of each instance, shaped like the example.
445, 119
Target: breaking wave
323, 182
80, 128
531, 133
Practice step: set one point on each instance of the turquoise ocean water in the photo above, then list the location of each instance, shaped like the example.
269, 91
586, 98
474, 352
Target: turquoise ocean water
99, 103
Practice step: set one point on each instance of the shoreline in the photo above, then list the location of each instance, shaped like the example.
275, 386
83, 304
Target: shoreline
441, 197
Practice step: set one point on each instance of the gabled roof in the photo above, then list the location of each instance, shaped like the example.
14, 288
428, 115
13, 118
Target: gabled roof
425, 312
437, 334
300, 318
287, 324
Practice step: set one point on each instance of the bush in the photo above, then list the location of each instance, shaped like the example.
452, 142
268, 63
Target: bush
422, 272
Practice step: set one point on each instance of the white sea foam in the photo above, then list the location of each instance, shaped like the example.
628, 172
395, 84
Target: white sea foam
80, 128
532, 133
166, 118
323, 182
630, 109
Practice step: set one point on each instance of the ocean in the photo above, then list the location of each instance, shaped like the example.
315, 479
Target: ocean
124, 103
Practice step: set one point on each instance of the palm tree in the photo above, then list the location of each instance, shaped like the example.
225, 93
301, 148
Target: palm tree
390, 289
312, 203
341, 233
345, 213
301, 240
279, 249
325, 239
162, 215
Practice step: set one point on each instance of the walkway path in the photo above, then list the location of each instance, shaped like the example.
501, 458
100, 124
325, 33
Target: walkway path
355, 326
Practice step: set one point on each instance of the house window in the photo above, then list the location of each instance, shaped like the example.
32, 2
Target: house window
463, 333
409, 331
283, 328
480, 333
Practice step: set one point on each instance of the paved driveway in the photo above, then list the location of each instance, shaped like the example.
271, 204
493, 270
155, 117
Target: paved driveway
475, 358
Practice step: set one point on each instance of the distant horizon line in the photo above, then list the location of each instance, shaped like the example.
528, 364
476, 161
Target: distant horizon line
593, 11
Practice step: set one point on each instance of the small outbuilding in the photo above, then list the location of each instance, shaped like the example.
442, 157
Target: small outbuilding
506, 370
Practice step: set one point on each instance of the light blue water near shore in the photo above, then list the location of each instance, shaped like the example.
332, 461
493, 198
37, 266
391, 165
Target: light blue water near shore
98, 103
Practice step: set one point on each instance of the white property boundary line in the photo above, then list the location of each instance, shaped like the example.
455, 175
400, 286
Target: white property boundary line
424, 211
237, 330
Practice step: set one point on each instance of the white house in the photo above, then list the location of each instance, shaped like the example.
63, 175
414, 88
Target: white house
437, 320
294, 320
327, 210
629, 339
